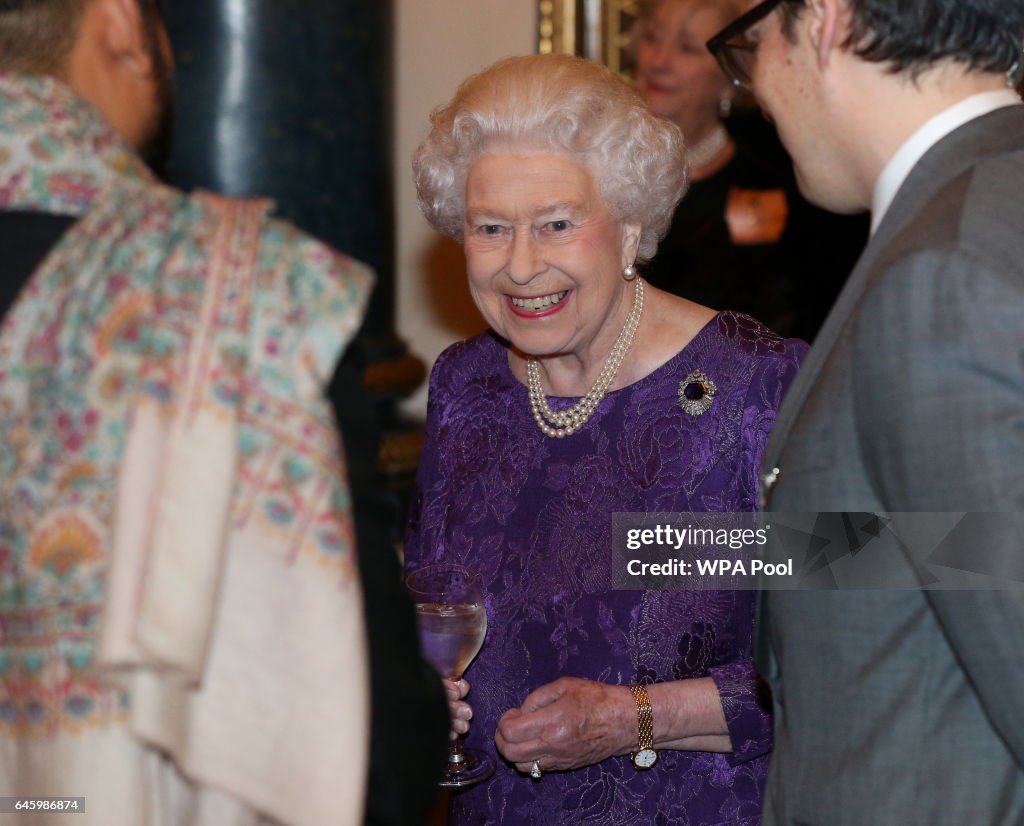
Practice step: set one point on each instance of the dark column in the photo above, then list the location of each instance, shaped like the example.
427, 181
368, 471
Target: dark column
292, 99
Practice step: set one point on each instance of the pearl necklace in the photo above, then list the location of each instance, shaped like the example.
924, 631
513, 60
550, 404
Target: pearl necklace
707, 148
566, 422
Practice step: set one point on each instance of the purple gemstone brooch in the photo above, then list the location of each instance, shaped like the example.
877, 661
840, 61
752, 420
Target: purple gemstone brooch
696, 393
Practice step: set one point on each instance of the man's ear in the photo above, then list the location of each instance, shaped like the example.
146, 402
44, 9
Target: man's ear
121, 35
112, 66
827, 27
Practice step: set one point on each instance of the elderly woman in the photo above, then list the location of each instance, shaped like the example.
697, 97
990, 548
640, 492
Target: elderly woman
743, 238
592, 393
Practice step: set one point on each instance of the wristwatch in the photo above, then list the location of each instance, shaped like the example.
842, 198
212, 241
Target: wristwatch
645, 756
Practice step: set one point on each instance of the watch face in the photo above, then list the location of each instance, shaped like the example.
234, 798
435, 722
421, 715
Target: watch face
645, 758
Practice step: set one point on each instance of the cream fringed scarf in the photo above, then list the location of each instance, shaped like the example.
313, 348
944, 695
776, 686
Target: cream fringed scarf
181, 635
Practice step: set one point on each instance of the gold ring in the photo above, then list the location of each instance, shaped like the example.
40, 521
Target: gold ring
535, 771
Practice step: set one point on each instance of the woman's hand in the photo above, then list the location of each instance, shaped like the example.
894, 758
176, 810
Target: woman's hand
568, 724
572, 722
460, 711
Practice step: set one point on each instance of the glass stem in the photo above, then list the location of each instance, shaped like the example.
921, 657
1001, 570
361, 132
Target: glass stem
455, 756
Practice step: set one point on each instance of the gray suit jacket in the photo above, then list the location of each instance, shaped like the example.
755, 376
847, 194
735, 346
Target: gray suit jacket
907, 707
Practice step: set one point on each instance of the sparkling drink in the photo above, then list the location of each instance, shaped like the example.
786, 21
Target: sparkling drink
451, 635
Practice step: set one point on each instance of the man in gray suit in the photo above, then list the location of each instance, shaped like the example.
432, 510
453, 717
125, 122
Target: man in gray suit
901, 707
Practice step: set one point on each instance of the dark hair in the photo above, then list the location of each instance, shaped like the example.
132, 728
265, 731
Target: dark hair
36, 36
151, 25
911, 35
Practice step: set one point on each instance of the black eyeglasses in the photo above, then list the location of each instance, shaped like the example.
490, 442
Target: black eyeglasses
731, 48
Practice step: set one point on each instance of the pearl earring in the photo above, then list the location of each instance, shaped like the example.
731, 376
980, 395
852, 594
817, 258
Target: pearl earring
629, 272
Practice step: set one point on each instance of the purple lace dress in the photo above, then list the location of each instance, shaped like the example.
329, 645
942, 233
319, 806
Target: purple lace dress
533, 515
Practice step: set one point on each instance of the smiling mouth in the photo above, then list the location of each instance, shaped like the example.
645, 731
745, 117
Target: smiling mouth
652, 86
533, 305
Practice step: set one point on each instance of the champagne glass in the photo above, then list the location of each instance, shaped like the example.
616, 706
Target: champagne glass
452, 623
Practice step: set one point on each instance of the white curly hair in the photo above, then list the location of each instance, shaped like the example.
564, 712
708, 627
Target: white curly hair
562, 104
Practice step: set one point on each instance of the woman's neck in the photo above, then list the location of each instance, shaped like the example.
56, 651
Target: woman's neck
709, 153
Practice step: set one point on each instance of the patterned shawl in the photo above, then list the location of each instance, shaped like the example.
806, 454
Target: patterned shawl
177, 572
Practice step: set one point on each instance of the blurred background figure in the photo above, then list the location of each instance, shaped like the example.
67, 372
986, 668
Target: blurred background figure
742, 238
182, 637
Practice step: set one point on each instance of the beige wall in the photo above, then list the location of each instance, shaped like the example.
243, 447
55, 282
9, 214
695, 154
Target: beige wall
438, 43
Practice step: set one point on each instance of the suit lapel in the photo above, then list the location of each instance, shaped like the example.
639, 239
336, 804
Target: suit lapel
992, 134
998, 132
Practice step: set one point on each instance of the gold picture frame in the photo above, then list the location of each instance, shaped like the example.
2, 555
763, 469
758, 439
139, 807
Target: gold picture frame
595, 29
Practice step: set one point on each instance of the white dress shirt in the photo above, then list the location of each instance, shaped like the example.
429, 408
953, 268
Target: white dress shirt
895, 172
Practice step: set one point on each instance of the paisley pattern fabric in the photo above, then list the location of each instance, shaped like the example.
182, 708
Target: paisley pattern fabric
533, 515
173, 506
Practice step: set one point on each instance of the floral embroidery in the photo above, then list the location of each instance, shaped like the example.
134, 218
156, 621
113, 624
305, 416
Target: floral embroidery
533, 516
105, 326
122, 329
64, 542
